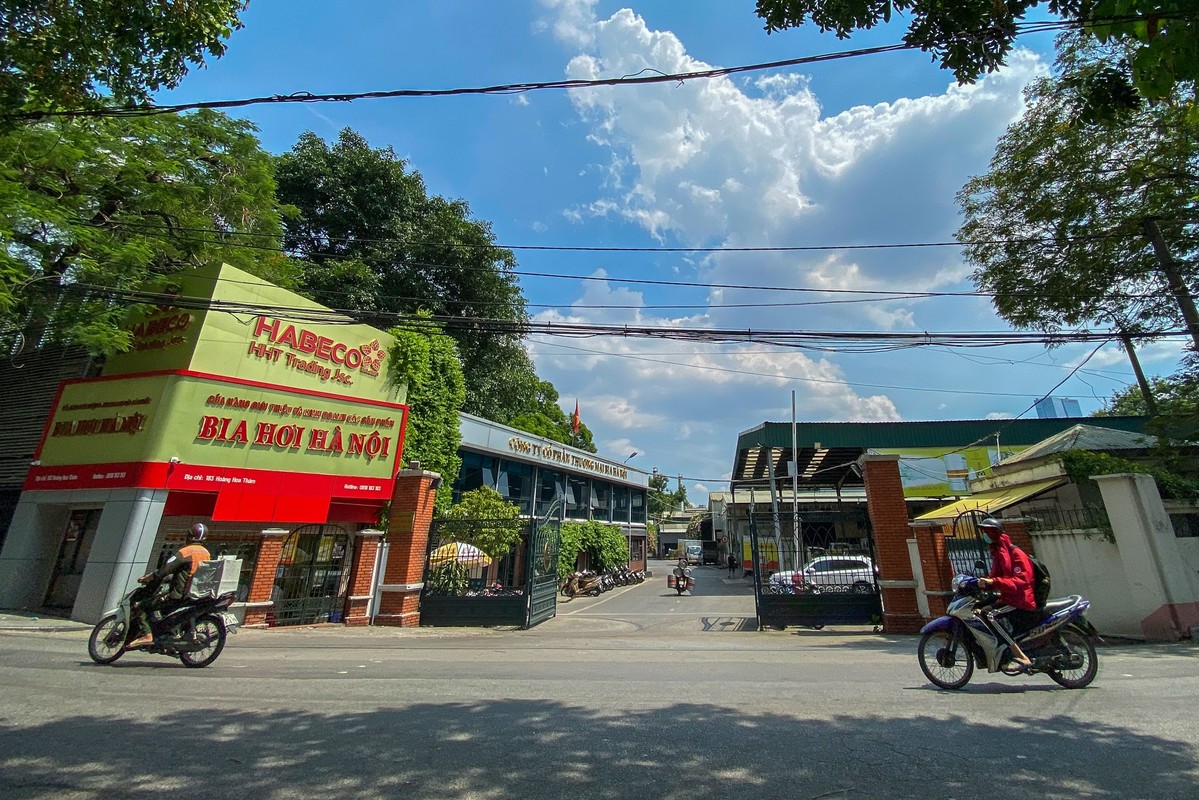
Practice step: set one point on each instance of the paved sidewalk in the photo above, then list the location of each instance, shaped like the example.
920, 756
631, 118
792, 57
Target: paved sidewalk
11, 620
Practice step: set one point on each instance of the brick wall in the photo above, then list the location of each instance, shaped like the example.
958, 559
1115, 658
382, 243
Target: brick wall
263, 582
408, 545
362, 577
889, 520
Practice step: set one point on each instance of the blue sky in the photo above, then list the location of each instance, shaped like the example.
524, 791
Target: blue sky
869, 150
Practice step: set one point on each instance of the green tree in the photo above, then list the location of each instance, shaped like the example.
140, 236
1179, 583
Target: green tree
80, 53
90, 205
606, 546
1176, 401
378, 241
1057, 227
485, 519
659, 501
974, 37
542, 416
426, 360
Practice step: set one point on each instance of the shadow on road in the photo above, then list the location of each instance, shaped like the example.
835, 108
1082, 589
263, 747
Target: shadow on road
536, 748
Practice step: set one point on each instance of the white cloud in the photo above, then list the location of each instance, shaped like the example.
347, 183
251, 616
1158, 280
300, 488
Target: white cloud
755, 162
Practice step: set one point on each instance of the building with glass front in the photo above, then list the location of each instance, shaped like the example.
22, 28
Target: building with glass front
532, 473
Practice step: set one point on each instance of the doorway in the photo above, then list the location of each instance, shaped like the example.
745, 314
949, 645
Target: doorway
310, 582
73, 550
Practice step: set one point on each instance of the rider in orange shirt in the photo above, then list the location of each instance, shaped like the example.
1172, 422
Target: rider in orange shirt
179, 568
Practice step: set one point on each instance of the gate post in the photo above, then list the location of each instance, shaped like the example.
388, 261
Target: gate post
362, 577
258, 601
408, 546
936, 568
889, 520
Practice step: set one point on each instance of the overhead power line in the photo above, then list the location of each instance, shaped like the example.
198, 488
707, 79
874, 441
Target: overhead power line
826, 341
866, 294
638, 79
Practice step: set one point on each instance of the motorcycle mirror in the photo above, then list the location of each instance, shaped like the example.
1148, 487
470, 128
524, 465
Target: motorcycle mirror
980, 566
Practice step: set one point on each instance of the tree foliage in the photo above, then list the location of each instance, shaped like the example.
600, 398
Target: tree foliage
427, 362
79, 53
541, 416
485, 519
659, 501
376, 240
606, 546
1176, 397
121, 204
1056, 227
974, 37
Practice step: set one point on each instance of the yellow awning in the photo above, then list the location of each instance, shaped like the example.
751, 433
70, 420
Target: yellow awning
992, 501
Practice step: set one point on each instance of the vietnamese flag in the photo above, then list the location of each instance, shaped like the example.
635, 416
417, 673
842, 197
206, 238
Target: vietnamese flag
574, 420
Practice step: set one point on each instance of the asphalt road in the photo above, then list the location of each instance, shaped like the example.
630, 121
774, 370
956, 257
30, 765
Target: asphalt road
638, 693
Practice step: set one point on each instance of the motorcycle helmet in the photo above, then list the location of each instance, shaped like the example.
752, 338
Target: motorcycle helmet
197, 532
989, 529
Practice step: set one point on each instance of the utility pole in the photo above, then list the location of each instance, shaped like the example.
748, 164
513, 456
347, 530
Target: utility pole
1178, 287
1146, 390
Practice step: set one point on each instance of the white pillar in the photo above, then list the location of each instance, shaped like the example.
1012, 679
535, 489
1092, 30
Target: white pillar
1161, 590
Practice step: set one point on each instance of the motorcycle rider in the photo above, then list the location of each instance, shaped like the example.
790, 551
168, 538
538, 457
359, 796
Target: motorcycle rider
1011, 576
179, 568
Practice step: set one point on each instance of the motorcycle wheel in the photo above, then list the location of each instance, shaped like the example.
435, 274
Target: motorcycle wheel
107, 642
1075, 641
211, 629
945, 669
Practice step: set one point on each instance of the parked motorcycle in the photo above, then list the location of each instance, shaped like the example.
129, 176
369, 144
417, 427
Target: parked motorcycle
1061, 646
194, 631
585, 582
682, 579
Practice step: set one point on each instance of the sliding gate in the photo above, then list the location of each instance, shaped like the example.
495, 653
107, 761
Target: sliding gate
823, 574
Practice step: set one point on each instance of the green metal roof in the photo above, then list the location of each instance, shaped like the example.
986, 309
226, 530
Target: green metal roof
840, 443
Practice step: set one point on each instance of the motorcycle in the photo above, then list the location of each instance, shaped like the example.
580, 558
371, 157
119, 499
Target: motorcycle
585, 582
194, 631
1060, 646
682, 579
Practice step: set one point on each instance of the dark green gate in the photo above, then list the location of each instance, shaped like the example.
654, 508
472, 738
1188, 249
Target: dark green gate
464, 586
544, 541
823, 575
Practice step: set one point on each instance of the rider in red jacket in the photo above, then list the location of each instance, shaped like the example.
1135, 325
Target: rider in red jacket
1011, 576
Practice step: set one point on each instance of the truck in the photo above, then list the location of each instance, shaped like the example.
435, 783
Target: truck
711, 553
692, 550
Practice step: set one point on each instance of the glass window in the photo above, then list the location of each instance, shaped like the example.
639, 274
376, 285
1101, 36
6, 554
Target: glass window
601, 501
620, 504
550, 487
516, 484
577, 494
470, 476
638, 498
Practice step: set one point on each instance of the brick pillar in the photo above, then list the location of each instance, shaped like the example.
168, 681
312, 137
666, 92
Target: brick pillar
362, 577
258, 602
889, 520
1017, 531
408, 545
936, 568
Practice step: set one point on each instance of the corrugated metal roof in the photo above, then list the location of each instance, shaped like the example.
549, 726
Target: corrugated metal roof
995, 500
945, 433
827, 450
1083, 437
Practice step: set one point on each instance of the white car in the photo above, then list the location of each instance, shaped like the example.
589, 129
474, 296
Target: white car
855, 574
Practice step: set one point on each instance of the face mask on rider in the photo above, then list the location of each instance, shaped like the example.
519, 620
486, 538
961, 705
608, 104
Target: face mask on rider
986, 537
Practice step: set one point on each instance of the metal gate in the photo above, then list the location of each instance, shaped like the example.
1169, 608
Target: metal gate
825, 573
544, 540
310, 582
465, 586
